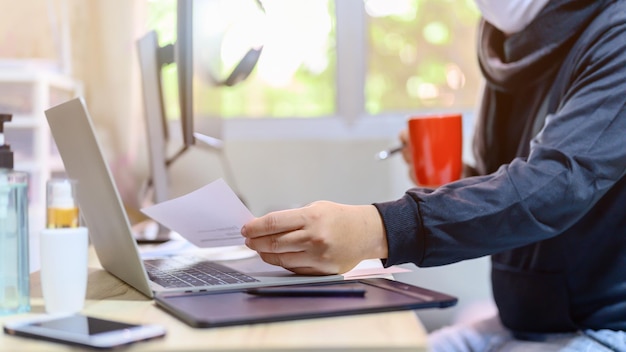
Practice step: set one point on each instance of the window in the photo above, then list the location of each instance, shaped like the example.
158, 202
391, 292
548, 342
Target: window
294, 76
395, 56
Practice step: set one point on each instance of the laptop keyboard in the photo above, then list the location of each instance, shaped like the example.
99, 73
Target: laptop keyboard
175, 272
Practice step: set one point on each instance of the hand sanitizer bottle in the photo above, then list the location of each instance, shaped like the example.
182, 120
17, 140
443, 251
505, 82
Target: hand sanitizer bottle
14, 270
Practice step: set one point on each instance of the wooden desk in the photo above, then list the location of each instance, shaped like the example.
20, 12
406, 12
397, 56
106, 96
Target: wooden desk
108, 297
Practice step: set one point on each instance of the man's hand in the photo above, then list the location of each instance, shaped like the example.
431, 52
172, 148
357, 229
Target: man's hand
319, 239
406, 153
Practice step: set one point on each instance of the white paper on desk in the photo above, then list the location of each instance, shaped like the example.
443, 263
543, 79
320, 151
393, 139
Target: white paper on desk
211, 216
372, 268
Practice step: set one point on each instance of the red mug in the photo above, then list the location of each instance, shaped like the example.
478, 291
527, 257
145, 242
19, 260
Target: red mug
436, 143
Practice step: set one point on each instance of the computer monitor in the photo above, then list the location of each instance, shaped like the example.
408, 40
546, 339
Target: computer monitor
152, 58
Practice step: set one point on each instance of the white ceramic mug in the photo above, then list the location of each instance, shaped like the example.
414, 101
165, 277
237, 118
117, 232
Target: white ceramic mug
64, 269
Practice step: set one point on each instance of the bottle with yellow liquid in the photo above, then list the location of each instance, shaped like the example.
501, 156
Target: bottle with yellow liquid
62, 210
63, 249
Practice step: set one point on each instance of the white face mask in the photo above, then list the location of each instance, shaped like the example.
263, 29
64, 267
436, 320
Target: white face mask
510, 16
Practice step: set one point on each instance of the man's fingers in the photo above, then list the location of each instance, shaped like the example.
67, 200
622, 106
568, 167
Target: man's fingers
278, 243
297, 262
273, 223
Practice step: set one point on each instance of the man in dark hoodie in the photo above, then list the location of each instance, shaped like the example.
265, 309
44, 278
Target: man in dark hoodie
546, 197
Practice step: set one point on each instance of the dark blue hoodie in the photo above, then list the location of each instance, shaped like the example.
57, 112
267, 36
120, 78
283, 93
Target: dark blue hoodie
547, 196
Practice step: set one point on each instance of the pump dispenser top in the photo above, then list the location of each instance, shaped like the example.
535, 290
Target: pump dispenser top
6, 154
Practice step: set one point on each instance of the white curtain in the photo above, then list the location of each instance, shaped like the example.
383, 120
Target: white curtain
94, 42
105, 59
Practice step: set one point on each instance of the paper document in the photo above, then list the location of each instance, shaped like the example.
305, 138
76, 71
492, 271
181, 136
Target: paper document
211, 216
373, 268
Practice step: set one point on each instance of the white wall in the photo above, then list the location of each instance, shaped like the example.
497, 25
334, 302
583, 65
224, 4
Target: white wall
271, 175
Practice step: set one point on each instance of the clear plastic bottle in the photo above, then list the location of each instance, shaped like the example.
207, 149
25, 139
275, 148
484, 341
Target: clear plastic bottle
14, 246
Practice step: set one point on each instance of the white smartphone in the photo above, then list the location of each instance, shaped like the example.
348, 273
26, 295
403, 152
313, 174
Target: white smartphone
83, 330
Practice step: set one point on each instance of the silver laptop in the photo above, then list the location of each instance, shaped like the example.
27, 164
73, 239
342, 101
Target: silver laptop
110, 232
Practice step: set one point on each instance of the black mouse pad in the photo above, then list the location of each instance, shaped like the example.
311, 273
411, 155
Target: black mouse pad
302, 301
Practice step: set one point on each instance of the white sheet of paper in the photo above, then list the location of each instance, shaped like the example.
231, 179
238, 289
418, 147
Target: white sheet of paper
211, 216
372, 268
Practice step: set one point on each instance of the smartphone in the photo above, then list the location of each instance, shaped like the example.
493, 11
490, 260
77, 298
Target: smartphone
83, 330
